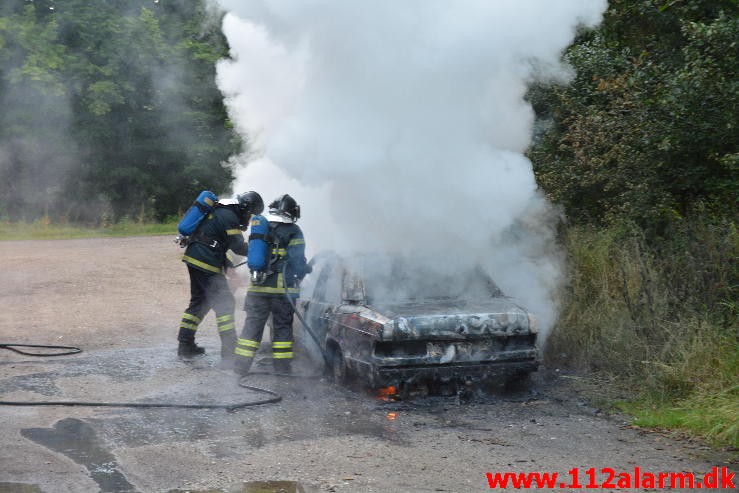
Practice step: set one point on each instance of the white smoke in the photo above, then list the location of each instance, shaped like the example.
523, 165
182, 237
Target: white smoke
401, 125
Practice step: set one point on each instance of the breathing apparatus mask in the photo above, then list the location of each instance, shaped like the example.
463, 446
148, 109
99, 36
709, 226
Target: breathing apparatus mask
248, 204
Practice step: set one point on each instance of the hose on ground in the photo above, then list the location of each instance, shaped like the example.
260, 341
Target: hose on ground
66, 350
272, 397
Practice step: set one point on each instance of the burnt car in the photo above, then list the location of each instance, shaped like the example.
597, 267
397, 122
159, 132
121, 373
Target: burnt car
388, 321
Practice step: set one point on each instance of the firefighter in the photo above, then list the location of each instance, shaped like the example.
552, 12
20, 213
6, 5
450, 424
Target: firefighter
276, 294
207, 263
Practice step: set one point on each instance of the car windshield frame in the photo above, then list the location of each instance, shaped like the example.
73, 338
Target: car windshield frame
378, 280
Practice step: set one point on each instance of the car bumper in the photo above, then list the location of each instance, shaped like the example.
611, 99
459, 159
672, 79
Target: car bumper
387, 376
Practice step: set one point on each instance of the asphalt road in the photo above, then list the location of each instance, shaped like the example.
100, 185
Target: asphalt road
120, 300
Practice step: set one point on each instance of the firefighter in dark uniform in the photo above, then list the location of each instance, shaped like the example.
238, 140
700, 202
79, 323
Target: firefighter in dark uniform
207, 262
277, 293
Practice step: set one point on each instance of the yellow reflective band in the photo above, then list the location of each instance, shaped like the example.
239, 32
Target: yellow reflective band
233, 232
244, 352
279, 289
282, 344
187, 325
282, 355
296, 241
247, 343
224, 328
187, 316
202, 265
224, 318
280, 252
269, 290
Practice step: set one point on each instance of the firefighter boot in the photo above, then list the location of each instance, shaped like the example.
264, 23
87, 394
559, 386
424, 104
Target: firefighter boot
186, 336
241, 366
189, 350
228, 344
282, 366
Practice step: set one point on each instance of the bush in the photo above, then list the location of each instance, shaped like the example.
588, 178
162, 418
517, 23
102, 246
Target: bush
659, 314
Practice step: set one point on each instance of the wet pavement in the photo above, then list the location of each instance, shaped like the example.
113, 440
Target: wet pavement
312, 408
320, 437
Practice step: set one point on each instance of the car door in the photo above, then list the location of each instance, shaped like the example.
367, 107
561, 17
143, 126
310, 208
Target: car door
321, 305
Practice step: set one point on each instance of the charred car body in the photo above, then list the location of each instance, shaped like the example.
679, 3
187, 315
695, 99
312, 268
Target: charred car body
388, 321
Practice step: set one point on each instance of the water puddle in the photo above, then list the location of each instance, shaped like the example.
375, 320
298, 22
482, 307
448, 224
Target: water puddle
311, 408
79, 441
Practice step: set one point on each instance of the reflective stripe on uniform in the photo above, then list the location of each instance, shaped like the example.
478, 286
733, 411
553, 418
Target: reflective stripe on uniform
296, 241
279, 289
244, 352
189, 321
233, 232
225, 322
202, 265
247, 343
190, 316
269, 290
282, 349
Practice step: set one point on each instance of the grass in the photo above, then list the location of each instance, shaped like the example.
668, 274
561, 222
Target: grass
709, 404
659, 316
713, 417
45, 230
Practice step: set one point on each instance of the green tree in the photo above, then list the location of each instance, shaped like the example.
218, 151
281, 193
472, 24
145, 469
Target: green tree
647, 130
128, 94
35, 151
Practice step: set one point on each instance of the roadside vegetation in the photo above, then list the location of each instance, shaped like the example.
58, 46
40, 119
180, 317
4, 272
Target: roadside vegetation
111, 112
46, 230
659, 318
641, 150
110, 108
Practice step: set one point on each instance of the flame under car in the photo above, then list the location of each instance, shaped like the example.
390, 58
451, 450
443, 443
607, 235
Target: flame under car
390, 321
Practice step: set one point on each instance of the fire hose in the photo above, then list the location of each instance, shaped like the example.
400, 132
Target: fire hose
272, 398
297, 312
14, 347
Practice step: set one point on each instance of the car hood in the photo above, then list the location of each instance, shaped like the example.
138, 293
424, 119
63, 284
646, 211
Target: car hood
446, 319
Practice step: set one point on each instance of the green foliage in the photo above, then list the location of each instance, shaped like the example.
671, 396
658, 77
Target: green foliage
711, 408
110, 107
43, 229
647, 129
659, 315
641, 150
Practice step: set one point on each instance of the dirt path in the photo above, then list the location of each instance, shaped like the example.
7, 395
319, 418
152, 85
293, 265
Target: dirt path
120, 301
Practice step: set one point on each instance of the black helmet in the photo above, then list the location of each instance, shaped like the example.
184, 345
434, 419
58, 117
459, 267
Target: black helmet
286, 206
250, 203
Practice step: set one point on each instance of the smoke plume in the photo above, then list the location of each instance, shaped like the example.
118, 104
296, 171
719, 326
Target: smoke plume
402, 126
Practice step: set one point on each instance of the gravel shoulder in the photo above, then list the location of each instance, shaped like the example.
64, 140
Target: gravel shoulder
120, 300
